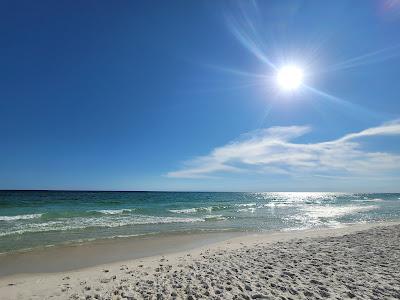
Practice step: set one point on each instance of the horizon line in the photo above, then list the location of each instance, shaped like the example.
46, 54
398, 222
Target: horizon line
182, 191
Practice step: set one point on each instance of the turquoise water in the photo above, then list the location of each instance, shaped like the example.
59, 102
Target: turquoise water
30, 219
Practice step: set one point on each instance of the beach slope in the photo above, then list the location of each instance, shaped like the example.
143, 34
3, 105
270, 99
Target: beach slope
354, 262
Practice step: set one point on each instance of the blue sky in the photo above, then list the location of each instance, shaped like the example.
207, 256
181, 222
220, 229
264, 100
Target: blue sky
182, 95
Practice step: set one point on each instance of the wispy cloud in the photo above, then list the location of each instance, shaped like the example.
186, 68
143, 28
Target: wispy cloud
274, 150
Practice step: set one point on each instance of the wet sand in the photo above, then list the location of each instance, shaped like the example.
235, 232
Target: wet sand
77, 256
359, 262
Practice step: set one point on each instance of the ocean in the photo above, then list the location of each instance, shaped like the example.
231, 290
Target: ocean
34, 219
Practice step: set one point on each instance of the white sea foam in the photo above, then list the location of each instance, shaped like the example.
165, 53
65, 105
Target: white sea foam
183, 211
214, 218
247, 209
311, 216
114, 211
106, 221
334, 212
20, 217
368, 200
246, 204
251, 207
191, 210
329, 224
280, 204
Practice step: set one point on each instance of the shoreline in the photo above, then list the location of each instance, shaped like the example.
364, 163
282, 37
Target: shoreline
102, 277
90, 254
118, 238
76, 256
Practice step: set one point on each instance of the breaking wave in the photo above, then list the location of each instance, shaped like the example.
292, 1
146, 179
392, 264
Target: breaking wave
20, 217
82, 223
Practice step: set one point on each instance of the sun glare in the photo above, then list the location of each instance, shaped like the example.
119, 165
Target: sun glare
290, 77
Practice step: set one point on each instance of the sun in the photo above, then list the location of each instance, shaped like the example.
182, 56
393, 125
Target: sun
290, 77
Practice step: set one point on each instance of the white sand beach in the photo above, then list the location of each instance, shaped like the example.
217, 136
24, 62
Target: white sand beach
359, 262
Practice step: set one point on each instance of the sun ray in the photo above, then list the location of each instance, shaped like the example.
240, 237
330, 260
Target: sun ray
229, 88
349, 105
237, 72
366, 59
245, 31
251, 44
267, 112
245, 25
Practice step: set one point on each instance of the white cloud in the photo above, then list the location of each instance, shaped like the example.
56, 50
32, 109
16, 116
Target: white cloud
273, 150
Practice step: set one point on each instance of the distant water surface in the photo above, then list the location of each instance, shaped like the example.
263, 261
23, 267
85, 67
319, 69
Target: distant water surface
30, 219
